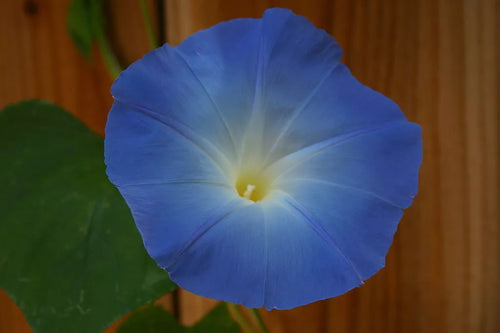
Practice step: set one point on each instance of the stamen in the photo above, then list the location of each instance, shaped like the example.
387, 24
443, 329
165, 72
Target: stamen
249, 191
251, 186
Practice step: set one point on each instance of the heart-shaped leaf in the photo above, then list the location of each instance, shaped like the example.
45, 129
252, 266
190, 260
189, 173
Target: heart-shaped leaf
70, 255
153, 319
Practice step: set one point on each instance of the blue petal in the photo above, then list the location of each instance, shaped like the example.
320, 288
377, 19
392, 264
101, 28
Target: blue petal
258, 72
383, 160
224, 60
161, 83
304, 263
171, 215
228, 259
140, 149
295, 58
339, 104
361, 223
267, 253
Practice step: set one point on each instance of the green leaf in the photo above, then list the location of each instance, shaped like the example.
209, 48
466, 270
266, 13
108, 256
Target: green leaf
70, 255
153, 319
85, 23
150, 319
218, 320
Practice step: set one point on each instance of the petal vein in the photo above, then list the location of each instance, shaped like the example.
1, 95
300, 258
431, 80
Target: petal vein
298, 111
216, 107
292, 160
187, 133
316, 226
219, 215
347, 187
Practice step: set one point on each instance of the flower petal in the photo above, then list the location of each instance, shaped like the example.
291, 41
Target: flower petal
270, 249
227, 262
260, 69
340, 104
361, 223
139, 149
296, 58
224, 60
304, 262
383, 160
161, 83
169, 216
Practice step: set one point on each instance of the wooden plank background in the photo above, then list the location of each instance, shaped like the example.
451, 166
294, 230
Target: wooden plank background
438, 59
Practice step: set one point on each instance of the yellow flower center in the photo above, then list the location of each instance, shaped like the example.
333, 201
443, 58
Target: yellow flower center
254, 187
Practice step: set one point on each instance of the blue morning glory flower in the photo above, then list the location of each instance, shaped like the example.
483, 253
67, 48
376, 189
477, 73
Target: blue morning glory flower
258, 170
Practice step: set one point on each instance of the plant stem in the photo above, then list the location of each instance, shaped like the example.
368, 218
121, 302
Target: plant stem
235, 312
257, 319
146, 18
109, 57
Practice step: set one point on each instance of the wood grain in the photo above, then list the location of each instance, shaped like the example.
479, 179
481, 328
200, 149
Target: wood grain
38, 60
438, 59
